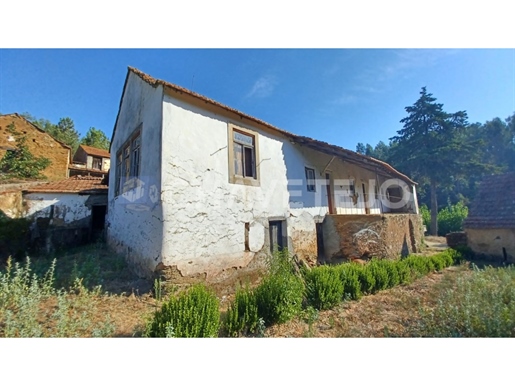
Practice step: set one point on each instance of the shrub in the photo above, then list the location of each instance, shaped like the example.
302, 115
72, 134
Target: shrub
404, 272
461, 253
438, 262
242, 315
367, 280
349, 275
192, 314
380, 274
450, 218
482, 305
279, 297
418, 265
392, 271
447, 257
324, 289
426, 216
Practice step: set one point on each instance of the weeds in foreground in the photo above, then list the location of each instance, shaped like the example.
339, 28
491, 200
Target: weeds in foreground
30, 306
481, 305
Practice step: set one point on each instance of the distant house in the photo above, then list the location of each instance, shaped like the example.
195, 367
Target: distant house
39, 143
91, 161
490, 225
198, 187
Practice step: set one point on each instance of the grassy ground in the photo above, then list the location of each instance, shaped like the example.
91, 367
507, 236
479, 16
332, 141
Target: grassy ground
94, 293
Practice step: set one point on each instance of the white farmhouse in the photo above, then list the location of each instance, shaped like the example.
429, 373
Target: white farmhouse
200, 187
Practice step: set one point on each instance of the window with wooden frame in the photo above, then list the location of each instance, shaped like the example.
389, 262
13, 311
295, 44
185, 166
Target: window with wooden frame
243, 156
128, 160
96, 163
310, 179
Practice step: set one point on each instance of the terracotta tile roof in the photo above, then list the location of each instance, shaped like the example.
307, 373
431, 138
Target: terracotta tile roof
348, 155
95, 151
494, 205
75, 184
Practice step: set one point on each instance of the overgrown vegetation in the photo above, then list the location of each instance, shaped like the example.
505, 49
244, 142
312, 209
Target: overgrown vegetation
279, 296
242, 316
277, 299
20, 162
31, 306
37, 299
192, 314
481, 305
450, 218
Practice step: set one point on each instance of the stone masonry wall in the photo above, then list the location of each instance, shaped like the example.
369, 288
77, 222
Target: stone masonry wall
365, 236
40, 144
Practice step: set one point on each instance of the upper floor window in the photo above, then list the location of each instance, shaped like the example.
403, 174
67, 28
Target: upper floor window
128, 160
243, 156
310, 178
96, 163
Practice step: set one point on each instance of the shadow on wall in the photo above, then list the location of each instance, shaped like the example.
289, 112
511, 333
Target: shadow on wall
14, 236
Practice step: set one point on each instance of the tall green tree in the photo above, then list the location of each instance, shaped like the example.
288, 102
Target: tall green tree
65, 132
96, 138
433, 147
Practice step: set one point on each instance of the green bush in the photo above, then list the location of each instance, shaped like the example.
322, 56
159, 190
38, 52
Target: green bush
447, 257
380, 274
426, 216
393, 273
438, 261
279, 297
461, 253
349, 275
404, 272
242, 315
324, 289
481, 305
193, 314
418, 265
450, 218
366, 279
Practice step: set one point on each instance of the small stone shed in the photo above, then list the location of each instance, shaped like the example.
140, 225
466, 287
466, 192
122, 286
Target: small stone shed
490, 226
66, 212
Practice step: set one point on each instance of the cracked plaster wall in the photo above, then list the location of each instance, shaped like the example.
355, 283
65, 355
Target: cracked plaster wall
198, 225
134, 218
205, 215
68, 208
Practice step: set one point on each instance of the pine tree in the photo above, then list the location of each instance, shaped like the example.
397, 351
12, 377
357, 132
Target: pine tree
433, 147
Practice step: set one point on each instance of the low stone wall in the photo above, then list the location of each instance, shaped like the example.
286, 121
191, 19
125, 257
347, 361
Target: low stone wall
365, 236
456, 239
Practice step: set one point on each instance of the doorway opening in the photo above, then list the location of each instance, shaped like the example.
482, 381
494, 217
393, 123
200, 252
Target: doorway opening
98, 215
278, 239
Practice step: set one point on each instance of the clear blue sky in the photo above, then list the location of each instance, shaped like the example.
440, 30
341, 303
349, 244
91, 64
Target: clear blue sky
342, 96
